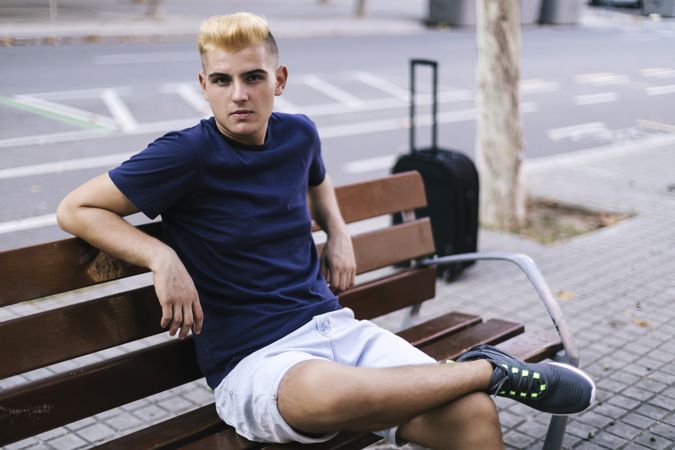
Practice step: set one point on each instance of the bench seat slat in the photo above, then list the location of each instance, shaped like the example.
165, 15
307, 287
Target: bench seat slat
489, 332
61, 266
61, 399
533, 345
438, 328
391, 293
382, 248
345, 440
174, 432
77, 330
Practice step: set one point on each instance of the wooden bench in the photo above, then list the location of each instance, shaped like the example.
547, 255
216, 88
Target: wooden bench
49, 337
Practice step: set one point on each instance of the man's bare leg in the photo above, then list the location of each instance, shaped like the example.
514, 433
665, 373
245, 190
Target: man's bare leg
468, 422
323, 396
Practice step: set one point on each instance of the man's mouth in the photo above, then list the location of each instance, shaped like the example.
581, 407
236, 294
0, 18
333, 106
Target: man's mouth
242, 113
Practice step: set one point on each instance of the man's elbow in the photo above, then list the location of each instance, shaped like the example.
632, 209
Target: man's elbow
66, 214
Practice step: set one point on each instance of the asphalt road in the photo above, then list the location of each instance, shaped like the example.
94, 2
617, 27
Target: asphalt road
69, 113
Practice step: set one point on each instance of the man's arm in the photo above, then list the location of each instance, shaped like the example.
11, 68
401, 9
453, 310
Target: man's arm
338, 264
95, 211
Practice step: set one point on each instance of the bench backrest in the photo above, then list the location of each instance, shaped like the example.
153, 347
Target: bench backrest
66, 332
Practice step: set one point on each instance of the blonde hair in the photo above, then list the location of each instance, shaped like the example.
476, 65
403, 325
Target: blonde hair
234, 32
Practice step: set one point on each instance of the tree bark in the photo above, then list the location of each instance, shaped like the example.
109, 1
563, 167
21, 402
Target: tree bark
360, 10
499, 143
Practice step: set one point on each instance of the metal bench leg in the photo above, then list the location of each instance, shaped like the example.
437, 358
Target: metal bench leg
412, 317
556, 433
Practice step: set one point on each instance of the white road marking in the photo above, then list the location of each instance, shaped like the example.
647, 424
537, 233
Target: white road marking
64, 166
78, 94
146, 58
601, 79
67, 111
658, 72
661, 90
603, 153
54, 138
576, 132
28, 223
382, 84
593, 99
119, 111
536, 86
369, 164
332, 91
190, 95
660, 126
281, 104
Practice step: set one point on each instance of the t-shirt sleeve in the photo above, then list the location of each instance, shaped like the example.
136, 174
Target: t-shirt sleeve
317, 170
159, 176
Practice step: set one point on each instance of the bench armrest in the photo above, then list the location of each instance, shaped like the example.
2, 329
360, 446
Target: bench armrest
527, 265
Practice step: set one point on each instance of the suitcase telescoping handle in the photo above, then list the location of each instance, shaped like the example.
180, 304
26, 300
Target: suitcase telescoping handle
434, 106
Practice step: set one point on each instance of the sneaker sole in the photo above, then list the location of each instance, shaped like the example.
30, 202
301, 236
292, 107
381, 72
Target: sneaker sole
587, 378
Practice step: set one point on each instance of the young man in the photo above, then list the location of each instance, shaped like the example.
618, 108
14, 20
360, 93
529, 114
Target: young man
240, 269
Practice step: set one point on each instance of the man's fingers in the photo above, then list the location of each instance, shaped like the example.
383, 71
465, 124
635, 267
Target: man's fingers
198, 315
167, 315
187, 322
177, 320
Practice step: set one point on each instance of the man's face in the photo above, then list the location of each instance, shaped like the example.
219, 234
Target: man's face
240, 88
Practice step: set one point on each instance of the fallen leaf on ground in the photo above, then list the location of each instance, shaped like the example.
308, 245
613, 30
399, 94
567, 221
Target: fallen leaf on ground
642, 323
566, 295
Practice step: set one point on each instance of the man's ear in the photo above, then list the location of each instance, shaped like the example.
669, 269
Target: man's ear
202, 82
282, 78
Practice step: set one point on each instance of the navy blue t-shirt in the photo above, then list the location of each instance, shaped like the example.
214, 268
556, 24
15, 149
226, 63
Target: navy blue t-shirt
237, 217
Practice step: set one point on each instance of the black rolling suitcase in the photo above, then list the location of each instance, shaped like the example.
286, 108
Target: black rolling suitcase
451, 184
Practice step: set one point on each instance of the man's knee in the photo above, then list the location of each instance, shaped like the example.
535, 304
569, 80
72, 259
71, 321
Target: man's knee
480, 408
308, 400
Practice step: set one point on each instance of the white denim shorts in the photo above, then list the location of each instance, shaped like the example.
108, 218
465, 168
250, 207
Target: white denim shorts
247, 398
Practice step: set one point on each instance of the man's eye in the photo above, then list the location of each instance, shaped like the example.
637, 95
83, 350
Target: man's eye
255, 77
221, 81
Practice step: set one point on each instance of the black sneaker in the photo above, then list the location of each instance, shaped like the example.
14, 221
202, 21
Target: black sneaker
550, 387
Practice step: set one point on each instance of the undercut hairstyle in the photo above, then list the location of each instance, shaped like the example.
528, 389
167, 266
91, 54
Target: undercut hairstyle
234, 32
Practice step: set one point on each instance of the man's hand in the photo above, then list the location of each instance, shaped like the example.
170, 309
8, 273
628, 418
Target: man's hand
338, 264
178, 296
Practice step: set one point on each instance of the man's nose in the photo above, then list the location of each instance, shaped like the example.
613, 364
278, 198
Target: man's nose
240, 93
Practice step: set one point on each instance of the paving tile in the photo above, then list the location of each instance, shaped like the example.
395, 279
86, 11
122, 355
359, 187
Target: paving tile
624, 402
638, 394
651, 440
533, 429
652, 411
664, 430
507, 419
652, 385
23, 444
151, 413
124, 422
609, 440
590, 445
97, 433
638, 420
624, 430
609, 410
518, 440
580, 429
67, 442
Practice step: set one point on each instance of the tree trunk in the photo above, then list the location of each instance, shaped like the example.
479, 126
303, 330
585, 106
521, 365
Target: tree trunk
499, 147
360, 10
